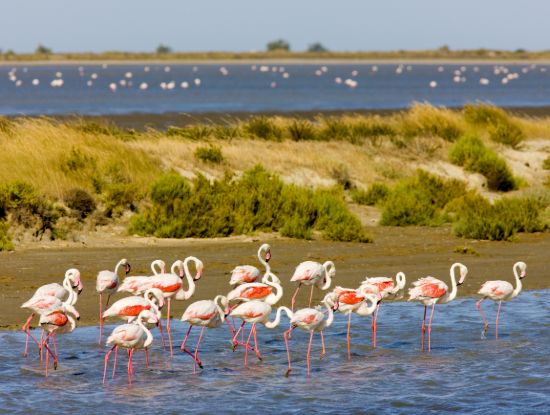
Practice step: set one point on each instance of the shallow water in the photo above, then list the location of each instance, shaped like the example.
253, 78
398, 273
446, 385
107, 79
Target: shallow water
463, 373
247, 90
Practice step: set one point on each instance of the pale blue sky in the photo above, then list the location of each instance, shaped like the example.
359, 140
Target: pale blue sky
140, 25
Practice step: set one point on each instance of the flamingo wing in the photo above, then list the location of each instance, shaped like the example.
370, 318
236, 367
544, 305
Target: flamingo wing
308, 271
496, 289
202, 310
428, 288
244, 274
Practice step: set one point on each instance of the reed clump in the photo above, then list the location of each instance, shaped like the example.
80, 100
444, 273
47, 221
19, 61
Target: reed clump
209, 154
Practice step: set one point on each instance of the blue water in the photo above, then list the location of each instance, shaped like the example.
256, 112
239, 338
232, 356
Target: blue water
463, 373
245, 89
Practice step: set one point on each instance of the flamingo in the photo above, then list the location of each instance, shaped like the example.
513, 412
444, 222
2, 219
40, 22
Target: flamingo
247, 273
131, 336
57, 320
254, 312
107, 281
269, 291
128, 308
45, 298
171, 285
349, 301
314, 274
312, 320
501, 291
205, 313
430, 290
139, 284
383, 287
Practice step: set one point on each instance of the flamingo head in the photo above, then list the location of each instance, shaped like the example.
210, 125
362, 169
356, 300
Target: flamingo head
267, 255
149, 317
127, 268
74, 276
522, 269
198, 274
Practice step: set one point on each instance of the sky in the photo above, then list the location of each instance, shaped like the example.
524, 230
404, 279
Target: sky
244, 25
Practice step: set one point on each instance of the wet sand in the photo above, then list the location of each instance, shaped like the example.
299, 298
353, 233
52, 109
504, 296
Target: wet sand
417, 251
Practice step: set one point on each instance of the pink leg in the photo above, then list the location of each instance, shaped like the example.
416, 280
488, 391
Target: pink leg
256, 347
184, 349
247, 346
348, 337
293, 301
285, 336
26, 330
168, 328
54, 345
236, 334
41, 343
196, 358
323, 351
375, 320
107, 362
100, 318
309, 353
49, 351
146, 357
424, 326
485, 322
496, 323
185, 339
116, 356
430, 328
311, 296
231, 327
162, 335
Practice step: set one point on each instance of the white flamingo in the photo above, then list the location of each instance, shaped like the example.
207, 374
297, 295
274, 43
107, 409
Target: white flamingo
243, 274
314, 274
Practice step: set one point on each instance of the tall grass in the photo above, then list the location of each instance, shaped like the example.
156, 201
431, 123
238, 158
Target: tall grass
470, 153
258, 201
426, 120
375, 194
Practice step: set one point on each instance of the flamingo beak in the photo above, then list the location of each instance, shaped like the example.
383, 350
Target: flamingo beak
522, 275
198, 275
267, 256
127, 268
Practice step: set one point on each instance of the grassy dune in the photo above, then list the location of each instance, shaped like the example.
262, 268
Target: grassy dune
92, 174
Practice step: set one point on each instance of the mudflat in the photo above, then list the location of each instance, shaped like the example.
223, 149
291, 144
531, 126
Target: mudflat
417, 251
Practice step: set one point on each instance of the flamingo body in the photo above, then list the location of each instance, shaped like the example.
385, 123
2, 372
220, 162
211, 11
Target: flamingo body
243, 274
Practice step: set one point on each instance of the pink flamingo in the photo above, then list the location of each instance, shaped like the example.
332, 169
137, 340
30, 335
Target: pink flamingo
312, 320
314, 274
247, 273
383, 287
205, 313
57, 321
131, 336
349, 301
107, 282
430, 291
254, 312
42, 302
170, 284
501, 291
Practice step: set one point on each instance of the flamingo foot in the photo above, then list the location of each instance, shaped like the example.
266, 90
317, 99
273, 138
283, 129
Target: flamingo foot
287, 374
322, 355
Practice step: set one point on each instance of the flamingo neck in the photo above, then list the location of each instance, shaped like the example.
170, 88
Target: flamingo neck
149, 336
330, 316
262, 260
275, 323
118, 265
454, 290
223, 300
73, 296
519, 285
189, 277
275, 297
364, 309
71, 322
399, 282
329, 271
158, 263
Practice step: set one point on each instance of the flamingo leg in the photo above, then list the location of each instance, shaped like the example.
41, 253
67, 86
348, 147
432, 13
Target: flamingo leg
26, 330
41, 342
496, 323
168, 328
196, 357
430, 328
231, 327
185, 350
162, 335
54, 345
309, 353
185, 339
348, 337
116, 356
424, 326
236, 334
285, 336
146, 358
100, 318
375, 320
311, 295
256, 347
54, 357
130, 367
107, 362
247, 345
485, 321
293, 301
323, 351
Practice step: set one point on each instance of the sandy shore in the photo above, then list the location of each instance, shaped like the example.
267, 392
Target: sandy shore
416, 251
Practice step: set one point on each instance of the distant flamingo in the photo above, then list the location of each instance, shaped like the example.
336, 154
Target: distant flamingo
205, 313
383, 287
430, 291
312, 320
254, 312
57, 321
501, 291
247, 273
349, 301
107, 282
131, 336
314, 274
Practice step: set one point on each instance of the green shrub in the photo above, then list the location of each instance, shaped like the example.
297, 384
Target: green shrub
300, 130
334, 128
5, 239
116, 190
95, 128
192, 132
508, 133
425, 120
470, 153
211, 154
476, 218
258, 201
263, 127
340, 173
376, 193
546, 163
226, 132
420, 200
76, 161
80, 201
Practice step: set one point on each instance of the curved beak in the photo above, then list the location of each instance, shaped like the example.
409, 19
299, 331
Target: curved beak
127, 268
198, 275
267, 256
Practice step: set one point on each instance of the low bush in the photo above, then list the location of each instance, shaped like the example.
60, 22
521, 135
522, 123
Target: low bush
211, 154
340, 173
191, 132
376, 193
258, 201
508, 133
426, 120
477, 218
76, 161
80, 201
546, 163
263, 127
470, 153
300, 130
420, 200
5, 239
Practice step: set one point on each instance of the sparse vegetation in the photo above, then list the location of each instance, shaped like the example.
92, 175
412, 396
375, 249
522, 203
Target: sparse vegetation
80, 201
546, 163
5, 239
211, 154
377, 193
465, 250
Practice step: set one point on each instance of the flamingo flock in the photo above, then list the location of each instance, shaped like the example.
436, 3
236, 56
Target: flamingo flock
250, 301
